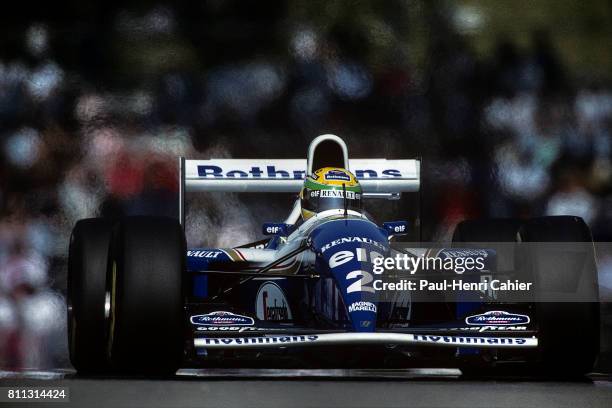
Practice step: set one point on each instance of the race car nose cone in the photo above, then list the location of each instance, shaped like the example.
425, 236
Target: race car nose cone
347, 248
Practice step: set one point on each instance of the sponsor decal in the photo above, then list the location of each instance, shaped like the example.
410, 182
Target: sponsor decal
272, 172
271, 303
361, 254
340, 258
204, 254
347, 240
481, 329
239, 329
350, 195
280, 340
497, 318
221, 328
427, 338
274, 228
221, 318
396, 227
337, 175
362, 306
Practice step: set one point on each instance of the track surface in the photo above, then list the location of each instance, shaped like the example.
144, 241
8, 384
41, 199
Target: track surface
314, 388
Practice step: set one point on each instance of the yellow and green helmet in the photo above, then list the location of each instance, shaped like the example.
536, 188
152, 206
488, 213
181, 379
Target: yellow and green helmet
324, 190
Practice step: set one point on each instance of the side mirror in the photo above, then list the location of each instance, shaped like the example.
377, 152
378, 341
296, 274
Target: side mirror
396, 227
276, 228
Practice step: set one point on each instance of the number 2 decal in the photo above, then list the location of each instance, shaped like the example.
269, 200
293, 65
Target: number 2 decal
361, 284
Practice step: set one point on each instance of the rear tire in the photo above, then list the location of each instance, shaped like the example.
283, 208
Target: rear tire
146, 285
87, 269
497, 230
492, 230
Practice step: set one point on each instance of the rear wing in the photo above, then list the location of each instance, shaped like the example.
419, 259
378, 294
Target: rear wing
378, 177
287, 175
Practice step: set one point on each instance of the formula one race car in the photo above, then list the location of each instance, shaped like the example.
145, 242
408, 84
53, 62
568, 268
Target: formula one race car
309, 295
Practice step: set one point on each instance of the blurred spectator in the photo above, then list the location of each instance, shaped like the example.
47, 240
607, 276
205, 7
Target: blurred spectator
572, 198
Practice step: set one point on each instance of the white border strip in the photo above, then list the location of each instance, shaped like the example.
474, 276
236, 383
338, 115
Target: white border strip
364, 338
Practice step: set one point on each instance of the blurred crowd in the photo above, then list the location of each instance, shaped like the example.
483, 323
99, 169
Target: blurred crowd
510, 134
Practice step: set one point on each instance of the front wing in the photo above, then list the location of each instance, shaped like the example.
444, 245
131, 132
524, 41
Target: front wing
376, 338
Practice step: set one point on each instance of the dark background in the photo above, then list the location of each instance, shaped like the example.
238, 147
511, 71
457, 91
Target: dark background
509, 103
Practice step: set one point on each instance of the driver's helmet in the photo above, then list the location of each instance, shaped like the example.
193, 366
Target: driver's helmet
324, 190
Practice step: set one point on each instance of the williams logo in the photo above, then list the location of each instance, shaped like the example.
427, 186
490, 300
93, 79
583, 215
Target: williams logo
220, 318
337, 175
497, 318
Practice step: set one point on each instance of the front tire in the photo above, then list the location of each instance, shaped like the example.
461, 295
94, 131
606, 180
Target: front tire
568, 331
146, 327
567, 307
87, 269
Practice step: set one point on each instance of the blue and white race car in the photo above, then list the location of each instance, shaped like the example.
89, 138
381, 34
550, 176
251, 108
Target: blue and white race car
313, 293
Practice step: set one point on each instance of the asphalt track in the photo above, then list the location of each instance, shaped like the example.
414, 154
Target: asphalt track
314, 388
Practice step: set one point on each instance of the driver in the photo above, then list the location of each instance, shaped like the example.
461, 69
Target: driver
325, 190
